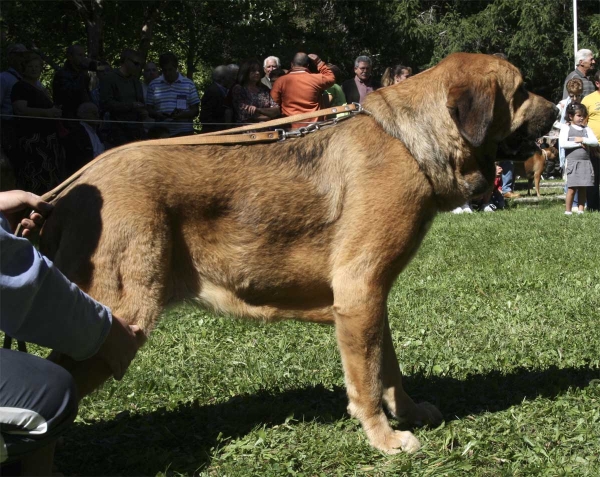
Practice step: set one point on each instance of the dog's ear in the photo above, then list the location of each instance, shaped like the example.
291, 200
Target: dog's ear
471, 106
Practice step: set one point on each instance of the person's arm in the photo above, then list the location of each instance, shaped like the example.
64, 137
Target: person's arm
327, 76
20, 108
270, 113
19, 98
151, 104
563, 138
243, 109
39, 304
276, 93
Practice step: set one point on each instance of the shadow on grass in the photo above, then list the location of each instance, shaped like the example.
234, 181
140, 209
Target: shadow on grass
181, 440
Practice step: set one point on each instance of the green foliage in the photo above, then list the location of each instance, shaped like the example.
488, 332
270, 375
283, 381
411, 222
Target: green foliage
536, 35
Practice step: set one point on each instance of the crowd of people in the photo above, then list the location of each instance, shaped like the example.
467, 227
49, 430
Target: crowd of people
46, 136
93, 107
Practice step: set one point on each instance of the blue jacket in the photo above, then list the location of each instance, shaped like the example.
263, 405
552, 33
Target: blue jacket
40, 305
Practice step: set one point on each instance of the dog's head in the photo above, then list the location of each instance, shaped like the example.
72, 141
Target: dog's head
551, 153
454, 116
488, 101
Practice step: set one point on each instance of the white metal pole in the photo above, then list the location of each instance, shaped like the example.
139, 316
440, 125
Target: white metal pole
575, 27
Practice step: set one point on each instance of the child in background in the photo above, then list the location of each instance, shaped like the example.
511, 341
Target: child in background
494, 199
575, 139
575, 91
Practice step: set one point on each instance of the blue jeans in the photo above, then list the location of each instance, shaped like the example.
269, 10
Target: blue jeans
507, 176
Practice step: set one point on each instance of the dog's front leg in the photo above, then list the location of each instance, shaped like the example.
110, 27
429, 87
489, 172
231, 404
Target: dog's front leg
395, 398
359, 323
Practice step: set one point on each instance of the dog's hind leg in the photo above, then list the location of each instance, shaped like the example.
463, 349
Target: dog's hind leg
130, 275
359, 320
395, 398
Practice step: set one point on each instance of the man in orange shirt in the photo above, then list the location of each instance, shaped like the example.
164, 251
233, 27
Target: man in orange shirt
301, 91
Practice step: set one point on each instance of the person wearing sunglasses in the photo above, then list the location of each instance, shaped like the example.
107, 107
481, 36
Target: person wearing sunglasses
122, 96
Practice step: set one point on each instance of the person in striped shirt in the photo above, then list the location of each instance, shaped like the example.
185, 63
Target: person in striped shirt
172, 98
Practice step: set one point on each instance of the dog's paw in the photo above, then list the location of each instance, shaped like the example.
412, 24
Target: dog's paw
395, 442
428, 415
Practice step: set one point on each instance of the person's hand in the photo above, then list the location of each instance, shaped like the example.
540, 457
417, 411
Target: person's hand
120, 346
314, 58
251, 109
54, 112
14, 202
578, 139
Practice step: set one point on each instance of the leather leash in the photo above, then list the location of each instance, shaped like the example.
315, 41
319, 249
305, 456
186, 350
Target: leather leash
225, 137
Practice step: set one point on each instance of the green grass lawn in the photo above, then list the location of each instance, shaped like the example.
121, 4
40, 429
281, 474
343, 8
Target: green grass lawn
496, 321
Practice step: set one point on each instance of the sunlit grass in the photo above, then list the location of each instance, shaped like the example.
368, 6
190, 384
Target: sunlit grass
496, 321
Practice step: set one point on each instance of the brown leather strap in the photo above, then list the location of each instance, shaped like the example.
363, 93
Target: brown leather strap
228, 136
201, 139
346, 108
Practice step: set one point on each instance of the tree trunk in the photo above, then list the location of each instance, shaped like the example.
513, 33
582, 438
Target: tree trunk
192, 44
151, 12
91, 13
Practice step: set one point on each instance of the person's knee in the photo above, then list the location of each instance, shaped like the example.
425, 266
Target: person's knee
39, 401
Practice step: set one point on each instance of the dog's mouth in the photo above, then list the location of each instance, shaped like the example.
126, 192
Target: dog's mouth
518, 146
521, 144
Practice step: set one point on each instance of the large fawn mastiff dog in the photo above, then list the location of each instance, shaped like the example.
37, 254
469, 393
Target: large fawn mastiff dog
314, 228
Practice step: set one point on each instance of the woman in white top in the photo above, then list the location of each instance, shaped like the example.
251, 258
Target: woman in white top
575, 90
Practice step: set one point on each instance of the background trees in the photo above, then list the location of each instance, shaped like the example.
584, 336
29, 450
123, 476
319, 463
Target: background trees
536, 35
